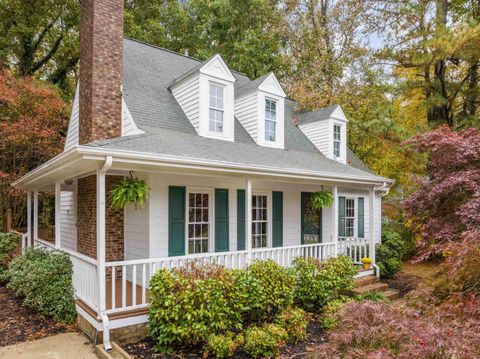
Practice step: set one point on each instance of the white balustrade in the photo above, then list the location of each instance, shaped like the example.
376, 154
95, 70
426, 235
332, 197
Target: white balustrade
355, 248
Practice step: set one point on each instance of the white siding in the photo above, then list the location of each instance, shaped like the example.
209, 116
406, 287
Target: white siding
319, 134
68, 220
187, 94
246, 112
128, 124
72, 133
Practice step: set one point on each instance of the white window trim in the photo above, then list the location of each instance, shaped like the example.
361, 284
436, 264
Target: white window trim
268, 194
280, 123
334, 141
211, 214
223, 86
265, 120
355, 214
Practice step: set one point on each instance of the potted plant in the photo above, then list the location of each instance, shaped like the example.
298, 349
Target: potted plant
322, 199
129, 191
366, 262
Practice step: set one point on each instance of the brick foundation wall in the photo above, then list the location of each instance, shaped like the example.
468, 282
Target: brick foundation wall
87, 220
101, 69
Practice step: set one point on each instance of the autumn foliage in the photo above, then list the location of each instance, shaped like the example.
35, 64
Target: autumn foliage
33, 121
447, 204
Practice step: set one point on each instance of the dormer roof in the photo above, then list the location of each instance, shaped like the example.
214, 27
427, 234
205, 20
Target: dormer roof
214, 66
332, 112
267, 83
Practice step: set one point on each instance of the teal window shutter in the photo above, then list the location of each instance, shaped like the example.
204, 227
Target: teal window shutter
176, 221
277, 218
240, 219
221, 220
341, 216
361, 217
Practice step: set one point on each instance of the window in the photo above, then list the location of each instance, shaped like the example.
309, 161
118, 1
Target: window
215, 123
270, 120
259, 221
198, 222
337, 137
349, 217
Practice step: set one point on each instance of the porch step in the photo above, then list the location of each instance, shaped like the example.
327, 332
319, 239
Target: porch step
371, 288
391, 294
366, 280
371, 284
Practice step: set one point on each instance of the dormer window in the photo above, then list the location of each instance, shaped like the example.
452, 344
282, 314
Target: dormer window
270, 120
216, 108
337, 140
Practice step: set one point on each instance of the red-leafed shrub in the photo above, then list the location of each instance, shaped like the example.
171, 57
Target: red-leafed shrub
379, 330
448, 202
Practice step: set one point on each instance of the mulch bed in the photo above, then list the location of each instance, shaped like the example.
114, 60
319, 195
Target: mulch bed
19, 324
315, 338
403, 282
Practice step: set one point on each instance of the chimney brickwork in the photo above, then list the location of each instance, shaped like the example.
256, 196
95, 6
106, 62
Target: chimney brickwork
101, 69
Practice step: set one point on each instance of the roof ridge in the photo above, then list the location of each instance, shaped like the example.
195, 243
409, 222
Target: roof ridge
180, 54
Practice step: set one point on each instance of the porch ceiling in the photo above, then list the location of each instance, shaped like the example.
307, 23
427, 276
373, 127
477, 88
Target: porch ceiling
81, 160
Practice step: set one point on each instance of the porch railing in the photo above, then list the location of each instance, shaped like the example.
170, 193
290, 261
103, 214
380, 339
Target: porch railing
85, 276
127, 281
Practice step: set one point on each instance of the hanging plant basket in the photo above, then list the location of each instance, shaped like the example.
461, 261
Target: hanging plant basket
129, 191
322, 199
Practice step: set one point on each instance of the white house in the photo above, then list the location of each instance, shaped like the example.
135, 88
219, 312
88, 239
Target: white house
230, 165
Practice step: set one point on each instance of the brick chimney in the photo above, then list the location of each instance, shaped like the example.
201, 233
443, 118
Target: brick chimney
101, 69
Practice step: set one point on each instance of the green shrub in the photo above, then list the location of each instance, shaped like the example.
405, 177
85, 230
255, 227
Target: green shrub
223, 346
44, 279
188, 305
295, 322
265, 341
330, 312
8, 243
318, 282
389, 253
277, 284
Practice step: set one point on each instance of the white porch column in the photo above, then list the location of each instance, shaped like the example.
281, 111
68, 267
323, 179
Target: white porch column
101, 234
335, 218
29, 219
35, 215
371, 223
58, 188
248, 218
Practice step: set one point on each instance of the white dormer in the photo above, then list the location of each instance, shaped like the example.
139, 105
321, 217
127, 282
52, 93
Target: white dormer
205, 94
260, 107
327, 130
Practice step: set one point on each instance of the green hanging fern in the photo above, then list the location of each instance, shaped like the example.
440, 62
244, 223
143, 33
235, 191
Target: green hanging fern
129, 191
322, 199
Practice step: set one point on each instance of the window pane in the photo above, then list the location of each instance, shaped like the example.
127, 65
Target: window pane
198, 226
259, 218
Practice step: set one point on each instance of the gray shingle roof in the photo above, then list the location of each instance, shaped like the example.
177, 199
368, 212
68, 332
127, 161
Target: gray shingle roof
252, 85
148, 72
317, 115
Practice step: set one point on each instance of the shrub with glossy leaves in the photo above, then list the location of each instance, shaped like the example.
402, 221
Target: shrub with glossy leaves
265, 341
8, 243
389, 253
190, 304
294, 321
277, 284
44, 279
317, 283
223, 346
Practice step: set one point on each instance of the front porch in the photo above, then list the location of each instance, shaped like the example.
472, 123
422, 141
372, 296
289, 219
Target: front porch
223, 217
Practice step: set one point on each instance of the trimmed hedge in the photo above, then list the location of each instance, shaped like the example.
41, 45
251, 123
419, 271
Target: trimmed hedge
211, 305
8, 243
44, 279
317, 283
389, 253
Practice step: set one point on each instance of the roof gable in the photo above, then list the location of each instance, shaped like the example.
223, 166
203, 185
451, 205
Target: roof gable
216, 67
272, 86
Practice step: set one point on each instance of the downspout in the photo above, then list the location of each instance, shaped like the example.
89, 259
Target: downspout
385, 189
101, 257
